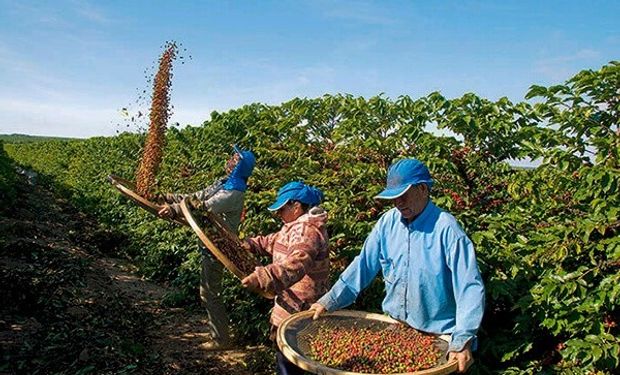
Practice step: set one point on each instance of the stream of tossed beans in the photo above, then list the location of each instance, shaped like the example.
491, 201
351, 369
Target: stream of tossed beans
160, 112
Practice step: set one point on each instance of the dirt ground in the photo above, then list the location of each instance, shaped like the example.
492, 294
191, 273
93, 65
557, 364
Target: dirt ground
68, 308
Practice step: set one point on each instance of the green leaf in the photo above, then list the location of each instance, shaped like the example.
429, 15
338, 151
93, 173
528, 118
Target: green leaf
522, 239
596, 353
536, 90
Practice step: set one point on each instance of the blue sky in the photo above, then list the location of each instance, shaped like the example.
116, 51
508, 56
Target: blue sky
67, 67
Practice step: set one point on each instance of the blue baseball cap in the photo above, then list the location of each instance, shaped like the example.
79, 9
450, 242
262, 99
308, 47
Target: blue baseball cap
402, 175
297, 191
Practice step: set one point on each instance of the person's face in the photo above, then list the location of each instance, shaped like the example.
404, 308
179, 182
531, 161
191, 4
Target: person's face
232, 163
412, 202
290, 212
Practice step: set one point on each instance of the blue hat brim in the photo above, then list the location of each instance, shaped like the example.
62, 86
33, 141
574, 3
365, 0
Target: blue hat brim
238, 151
279, 203
393, 193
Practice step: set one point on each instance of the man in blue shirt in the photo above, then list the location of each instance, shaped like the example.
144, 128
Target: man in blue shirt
432, 281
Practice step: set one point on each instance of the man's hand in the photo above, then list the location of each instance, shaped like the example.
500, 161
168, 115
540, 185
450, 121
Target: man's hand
251, 282
318, 310
464, 358
165, 212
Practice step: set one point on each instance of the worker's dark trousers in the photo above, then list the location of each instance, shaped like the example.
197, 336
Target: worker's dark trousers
285, 367
210, 289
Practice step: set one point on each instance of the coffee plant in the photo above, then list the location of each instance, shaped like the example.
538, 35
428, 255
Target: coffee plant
547, 238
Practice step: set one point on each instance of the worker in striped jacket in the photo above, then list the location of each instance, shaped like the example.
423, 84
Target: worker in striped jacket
299, 273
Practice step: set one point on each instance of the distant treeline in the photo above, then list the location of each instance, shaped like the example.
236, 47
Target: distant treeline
24, 138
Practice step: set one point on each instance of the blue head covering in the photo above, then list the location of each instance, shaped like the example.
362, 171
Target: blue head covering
297, 191
238, 178
403, 174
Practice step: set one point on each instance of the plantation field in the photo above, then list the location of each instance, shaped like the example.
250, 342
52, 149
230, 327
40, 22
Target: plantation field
547, 238
72, 306
23, 138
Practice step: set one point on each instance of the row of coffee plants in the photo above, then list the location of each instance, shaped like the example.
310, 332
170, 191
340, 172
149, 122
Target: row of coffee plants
547, 237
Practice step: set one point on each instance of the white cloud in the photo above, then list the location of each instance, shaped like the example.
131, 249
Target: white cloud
63, 118
562, 67
190, 116
583, 54
58, 15
279, 83
91, 12
360, 45
358, 11
21, 75
54, 118
613, 39
40, 14
312, 74
10, 61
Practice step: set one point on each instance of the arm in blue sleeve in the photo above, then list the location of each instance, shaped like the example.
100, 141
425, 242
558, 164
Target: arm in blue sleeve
357, 275
468, 293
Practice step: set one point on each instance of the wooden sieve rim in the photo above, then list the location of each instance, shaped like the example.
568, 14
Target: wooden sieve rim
214, 250
318, 368
127, 188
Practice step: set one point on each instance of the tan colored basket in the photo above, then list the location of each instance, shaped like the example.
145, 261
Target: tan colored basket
234, 257
296, 331
127, 188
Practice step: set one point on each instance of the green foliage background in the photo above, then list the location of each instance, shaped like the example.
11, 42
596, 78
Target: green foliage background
546, 238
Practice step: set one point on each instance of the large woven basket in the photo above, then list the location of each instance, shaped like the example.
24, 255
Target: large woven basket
295, 333
223, 244
127, 188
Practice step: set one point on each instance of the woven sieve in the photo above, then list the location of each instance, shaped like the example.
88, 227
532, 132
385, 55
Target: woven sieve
223, 244
295, 333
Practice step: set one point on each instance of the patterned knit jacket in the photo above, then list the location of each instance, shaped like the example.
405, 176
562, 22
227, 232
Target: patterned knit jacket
299, 273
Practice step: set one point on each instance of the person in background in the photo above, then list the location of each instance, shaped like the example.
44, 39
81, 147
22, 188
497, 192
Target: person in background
299, 273
429, 267
225, 198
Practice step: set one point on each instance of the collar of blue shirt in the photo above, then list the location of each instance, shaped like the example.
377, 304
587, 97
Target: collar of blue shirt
418, 220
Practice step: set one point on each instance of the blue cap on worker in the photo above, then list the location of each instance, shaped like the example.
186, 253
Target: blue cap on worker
297, 191
403, 174
238, 177
247, 161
